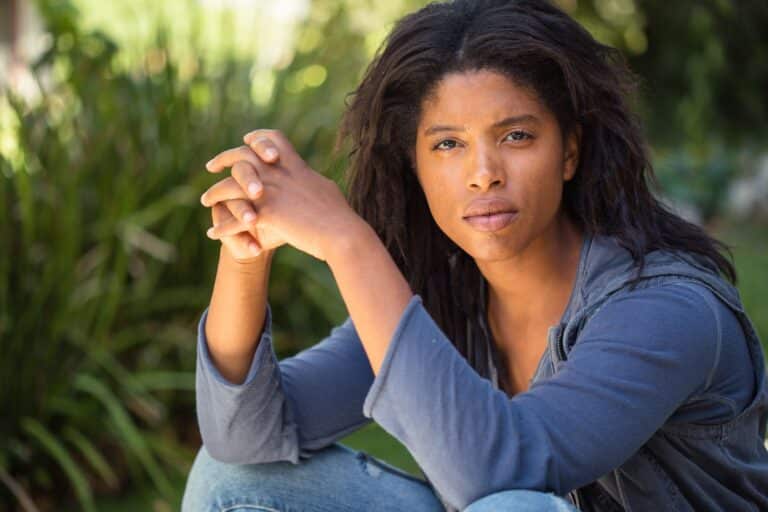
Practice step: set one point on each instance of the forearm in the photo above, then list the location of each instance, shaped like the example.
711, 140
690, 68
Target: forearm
236, 313
373, 288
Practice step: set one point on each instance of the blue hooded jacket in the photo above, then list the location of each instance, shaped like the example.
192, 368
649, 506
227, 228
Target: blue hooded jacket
648, 397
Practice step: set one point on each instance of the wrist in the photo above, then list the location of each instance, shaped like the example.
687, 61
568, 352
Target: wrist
351, 244
250, 266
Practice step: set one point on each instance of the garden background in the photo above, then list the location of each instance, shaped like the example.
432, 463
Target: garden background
108, 112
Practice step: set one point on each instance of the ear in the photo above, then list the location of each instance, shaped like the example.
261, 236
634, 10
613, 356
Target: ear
571, 156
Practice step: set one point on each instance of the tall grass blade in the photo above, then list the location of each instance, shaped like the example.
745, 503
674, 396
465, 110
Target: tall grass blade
56, 450
126, 429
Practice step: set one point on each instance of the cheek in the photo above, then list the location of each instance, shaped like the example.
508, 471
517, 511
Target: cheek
543, 177
441, 201
437, 197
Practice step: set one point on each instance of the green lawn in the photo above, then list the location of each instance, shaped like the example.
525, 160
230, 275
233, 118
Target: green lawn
750, 249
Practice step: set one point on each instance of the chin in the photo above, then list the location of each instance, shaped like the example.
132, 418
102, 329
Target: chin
492, 250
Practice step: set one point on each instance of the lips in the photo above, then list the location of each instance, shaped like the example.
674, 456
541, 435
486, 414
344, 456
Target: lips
490, 214
489, 206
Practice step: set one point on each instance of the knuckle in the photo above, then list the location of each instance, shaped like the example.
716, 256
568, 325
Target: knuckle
242, 207
218, 210
238, 167
241, 170
243, 152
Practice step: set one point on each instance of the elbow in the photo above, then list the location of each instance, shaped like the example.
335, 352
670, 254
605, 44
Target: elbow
244, 446
470, 484
233, 453
224, 452
463, 485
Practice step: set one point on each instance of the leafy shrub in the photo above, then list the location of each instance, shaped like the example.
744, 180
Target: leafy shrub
105, 268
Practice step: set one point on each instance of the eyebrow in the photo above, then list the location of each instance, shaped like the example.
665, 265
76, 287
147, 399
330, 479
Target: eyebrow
525, 118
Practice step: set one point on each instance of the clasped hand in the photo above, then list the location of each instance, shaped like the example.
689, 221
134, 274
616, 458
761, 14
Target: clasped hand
272, 198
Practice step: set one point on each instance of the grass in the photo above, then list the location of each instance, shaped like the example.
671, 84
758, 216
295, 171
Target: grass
749, 244
376, 441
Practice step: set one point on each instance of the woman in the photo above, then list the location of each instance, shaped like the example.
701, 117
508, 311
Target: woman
525, 317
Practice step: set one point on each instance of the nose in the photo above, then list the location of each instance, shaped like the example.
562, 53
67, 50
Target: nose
485, 170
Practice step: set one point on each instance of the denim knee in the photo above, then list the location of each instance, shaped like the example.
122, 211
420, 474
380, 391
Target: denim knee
521, 501
335, 478
213, 486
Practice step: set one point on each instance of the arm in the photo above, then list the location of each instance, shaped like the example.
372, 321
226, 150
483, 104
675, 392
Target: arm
286, 410
236, 314
250, 408
602, 405
373, 289
308, 211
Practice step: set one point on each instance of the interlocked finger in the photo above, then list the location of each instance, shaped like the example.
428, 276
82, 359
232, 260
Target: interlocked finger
228, 227
229, 157
248, 178
244, 212
223, 190
240, 244
275, 136
220, 213
264, 147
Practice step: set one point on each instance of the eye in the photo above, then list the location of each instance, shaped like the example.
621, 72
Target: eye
519, 135
445, 144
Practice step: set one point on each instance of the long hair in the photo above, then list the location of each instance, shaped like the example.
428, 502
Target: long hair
584, 83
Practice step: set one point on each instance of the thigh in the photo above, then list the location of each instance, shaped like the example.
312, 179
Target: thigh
336, 478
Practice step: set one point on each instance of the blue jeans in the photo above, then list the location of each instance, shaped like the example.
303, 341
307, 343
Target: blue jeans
335, 479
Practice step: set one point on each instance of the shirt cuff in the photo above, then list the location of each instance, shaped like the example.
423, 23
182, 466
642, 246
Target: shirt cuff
381, 378
264, 354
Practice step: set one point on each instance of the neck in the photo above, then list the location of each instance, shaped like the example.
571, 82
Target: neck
533, 287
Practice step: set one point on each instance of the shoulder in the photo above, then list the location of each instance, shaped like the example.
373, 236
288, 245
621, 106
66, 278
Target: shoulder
668, 306
679, 321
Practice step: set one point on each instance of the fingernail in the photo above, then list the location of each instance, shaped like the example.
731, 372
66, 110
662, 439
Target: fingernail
202, 200
270, 153
254, 189
248, 217
209, 232
208, 164
254, 248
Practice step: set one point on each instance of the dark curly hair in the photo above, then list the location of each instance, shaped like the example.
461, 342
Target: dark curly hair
584, 83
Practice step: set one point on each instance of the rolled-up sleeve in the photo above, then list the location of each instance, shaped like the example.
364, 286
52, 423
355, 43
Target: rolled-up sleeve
283, 410
634, 363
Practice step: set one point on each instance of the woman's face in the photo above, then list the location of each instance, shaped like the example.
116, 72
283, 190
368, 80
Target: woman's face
491, 161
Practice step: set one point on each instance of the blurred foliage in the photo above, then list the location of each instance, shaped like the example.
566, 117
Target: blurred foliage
701, 182
750, 252
703, 86
105, 267
700, 64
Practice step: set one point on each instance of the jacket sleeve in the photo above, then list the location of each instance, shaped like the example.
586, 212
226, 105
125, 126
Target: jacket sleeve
283, 410
634, 363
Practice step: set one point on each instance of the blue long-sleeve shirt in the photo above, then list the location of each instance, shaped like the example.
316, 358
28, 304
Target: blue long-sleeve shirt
671, 353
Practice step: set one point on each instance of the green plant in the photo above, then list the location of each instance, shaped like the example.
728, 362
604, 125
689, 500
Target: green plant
699, 179
105, 267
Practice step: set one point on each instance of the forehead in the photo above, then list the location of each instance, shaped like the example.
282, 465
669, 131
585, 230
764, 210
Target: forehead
478, 96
